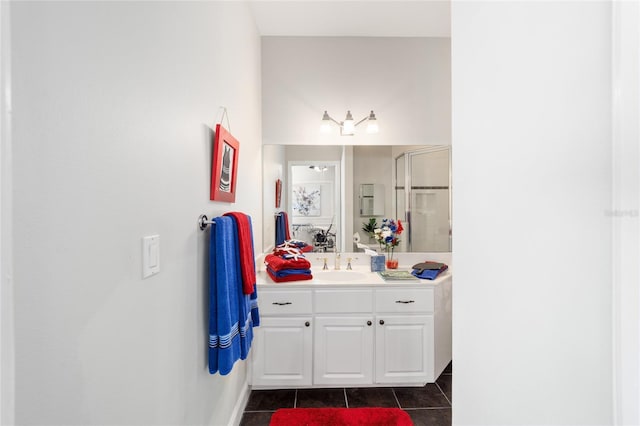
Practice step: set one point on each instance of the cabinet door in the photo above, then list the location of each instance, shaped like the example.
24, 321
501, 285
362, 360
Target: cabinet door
343, 350
282, 352
404, 349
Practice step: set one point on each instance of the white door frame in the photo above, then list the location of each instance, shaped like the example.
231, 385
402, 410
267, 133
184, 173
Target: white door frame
625, 211
7, 345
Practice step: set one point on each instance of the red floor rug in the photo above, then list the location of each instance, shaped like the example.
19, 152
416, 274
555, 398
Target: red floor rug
340, 417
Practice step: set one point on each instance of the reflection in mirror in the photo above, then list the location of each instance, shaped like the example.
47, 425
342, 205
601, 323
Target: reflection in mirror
371, 199
413, 184
315, 203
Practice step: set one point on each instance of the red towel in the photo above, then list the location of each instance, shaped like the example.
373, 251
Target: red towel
277, 263
294, 277
287, 236
245, 247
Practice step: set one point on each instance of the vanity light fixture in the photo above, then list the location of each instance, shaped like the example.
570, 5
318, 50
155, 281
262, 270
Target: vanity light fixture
318, 168
348, 126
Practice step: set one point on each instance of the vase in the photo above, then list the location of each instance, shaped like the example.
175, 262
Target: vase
392, 263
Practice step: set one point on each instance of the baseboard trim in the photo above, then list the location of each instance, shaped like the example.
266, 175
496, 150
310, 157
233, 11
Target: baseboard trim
238, 409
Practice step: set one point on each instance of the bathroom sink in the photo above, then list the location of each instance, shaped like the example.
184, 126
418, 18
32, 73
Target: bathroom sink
345, 276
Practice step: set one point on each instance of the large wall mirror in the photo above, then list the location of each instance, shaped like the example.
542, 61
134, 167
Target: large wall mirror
331, 192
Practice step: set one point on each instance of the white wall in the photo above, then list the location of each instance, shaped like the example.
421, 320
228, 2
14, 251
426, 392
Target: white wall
532, 179
406, 81
625, 212
113, 108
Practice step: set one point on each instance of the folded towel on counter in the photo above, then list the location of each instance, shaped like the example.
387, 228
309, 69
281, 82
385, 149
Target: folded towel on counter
277, 263
288, 272
245, 248
283, 250
428, 265
294, 277
303, 246
428, 274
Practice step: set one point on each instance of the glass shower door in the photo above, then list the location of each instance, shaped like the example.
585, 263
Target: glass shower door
423, 199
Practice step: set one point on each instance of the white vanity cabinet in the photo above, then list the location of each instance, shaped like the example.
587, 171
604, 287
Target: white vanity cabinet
359, 335
343, 336
282, 346
405, 335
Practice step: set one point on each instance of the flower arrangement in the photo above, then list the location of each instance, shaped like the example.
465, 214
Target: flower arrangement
387, 235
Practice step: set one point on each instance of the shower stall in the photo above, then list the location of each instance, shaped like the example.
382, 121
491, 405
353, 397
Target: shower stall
423, 198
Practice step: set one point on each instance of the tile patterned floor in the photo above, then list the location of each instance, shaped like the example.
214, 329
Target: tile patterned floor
427, 406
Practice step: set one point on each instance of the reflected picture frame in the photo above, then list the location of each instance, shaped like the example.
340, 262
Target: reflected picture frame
224, 166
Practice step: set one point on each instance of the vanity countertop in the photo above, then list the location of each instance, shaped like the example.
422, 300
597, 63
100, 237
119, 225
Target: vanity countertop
360, 275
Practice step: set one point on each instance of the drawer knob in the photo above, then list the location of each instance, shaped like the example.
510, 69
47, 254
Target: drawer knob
307, 324
282, 303
368, 322
405, 301
381, 322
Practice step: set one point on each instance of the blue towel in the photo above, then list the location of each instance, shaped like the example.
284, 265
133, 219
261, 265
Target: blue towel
280, 229
428, 274
287, 272
232, 314
224, 341
248, 306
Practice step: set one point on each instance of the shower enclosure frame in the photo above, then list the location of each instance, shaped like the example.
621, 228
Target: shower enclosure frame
407, 189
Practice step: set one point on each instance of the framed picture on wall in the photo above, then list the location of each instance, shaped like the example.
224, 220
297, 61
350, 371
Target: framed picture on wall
306, 200
224, 166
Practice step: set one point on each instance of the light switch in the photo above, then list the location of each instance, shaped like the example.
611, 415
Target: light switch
150, 255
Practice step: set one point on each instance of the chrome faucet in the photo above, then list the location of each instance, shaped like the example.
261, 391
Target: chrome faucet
324, 263
337, 260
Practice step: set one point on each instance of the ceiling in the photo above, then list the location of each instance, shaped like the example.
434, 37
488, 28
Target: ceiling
372, 18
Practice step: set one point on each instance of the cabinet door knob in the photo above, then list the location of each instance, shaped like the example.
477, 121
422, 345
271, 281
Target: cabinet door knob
405, 301
368, 322
281, 303
381, 322
307, 324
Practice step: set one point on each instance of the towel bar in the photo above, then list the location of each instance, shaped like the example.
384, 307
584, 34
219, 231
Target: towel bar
203, 221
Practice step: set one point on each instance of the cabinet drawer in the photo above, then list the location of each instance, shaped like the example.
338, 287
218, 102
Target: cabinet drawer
343, 301
404, 300
279, 302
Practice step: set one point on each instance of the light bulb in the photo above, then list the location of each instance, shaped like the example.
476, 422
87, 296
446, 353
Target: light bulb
325, 125
372, 124
348, 126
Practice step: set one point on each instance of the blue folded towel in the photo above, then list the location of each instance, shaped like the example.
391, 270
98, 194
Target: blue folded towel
287, 272
428, 274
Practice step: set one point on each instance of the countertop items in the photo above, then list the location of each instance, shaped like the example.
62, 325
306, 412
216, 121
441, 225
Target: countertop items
359, 275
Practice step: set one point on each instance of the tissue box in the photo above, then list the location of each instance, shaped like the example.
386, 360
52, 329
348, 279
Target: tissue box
377, 263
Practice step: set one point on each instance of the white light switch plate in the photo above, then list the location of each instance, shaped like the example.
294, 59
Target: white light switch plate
150, 255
